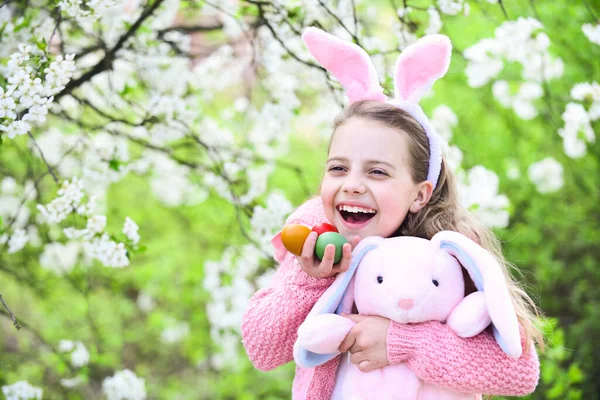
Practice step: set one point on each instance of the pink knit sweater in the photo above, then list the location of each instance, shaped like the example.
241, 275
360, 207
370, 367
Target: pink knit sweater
430, 349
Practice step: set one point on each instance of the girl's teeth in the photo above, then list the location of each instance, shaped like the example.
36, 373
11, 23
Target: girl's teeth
356, 209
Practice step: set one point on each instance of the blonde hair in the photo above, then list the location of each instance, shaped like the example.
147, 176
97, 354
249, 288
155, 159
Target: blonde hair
444, 211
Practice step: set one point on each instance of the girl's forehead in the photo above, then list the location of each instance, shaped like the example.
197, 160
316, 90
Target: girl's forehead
369, 140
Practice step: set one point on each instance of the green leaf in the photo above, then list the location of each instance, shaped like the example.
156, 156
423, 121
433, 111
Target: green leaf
114, 164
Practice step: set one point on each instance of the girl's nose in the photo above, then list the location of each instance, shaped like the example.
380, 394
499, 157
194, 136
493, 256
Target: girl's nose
354, 186
406, 304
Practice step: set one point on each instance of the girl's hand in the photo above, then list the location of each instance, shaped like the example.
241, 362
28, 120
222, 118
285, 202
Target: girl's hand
367, 341
324, 268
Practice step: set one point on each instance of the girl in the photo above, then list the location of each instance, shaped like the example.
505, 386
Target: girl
384, 176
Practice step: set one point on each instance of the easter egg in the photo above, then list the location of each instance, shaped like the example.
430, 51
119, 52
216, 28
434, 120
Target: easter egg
324, 227
293, 237
330, 238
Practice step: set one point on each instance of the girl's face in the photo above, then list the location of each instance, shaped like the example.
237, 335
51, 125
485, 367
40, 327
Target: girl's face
367, 189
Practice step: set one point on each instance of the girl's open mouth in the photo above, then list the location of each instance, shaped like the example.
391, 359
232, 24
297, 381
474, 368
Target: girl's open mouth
356, 215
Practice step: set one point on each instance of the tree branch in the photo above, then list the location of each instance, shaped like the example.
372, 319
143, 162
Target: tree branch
106, 62
12, 316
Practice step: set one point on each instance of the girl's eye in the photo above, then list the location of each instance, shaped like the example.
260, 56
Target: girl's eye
379, 172
336, 168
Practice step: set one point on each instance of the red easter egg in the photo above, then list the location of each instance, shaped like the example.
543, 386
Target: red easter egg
324, 227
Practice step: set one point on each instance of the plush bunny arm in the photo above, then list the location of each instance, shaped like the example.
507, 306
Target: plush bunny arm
474, 365
470, 317
324, 333
273, 314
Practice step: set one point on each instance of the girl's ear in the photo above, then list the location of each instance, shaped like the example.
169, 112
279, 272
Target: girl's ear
489, 279
422, 197
347, 62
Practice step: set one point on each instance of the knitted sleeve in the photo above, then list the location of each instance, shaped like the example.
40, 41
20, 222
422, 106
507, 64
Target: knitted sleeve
475, 365
271, 321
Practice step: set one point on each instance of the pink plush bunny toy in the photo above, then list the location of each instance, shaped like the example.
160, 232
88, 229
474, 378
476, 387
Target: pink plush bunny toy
409, 280
406, 279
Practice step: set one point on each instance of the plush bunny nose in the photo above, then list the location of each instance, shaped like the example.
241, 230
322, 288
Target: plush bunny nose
406, 304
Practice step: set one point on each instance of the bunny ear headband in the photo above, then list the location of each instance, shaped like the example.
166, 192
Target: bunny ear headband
417, 68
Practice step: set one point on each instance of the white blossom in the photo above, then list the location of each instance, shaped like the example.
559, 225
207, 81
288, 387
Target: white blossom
592, 32
522, 101
145, 302
21, 390
517, 41
577, 130
435, 22
107, 251
130, 229
479, 193
124, 385
546, 175
60, 258
175, 333
17, 241
69, 198
450, 7
71, 382
79, 354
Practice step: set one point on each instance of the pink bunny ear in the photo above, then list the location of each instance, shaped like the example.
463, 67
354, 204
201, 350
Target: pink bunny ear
420, 65
347, 62
489, 279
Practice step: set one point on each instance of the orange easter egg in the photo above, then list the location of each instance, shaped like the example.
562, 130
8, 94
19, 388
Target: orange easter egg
293, 237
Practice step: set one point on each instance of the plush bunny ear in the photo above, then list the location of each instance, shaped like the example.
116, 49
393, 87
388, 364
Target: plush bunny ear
488, 278
347, 62
420, 65
338, 298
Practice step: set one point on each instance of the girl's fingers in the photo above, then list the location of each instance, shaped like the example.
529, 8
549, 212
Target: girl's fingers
308, 249
346, 257
327, 263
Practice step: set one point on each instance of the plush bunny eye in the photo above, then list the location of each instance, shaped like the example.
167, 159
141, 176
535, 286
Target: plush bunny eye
380, 279
435, 282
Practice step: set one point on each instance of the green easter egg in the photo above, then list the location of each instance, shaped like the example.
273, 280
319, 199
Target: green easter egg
330, 238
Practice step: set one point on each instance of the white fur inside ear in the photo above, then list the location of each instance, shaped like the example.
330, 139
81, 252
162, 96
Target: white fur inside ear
470, 317
323, 334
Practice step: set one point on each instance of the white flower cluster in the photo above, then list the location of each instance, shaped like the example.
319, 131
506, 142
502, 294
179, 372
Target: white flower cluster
444, 120
592, 32
26, 98
453, 7
175, 333
517, 41
60, 258
547, 175
79, 354
86, 11
96, 243
124, 385
578, 129
522, 101
130, 229
17, 241
108, 252
229, 301
22, 390
478, 190
69, 199
15, 214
